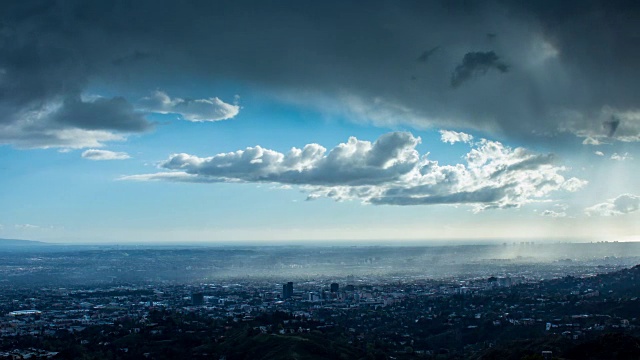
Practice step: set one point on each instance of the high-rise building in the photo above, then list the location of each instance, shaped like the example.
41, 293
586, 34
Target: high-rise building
335, 287
197, 299
313, 296
287, 290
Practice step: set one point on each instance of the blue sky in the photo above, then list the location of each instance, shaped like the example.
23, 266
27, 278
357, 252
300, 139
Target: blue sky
419, 127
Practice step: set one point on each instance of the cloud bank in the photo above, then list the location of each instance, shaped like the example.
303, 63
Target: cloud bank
572, 65
389, 171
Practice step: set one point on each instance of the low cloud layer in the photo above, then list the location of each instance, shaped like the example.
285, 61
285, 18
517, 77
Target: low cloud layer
572, 65
96, 154
623, 204
389, 171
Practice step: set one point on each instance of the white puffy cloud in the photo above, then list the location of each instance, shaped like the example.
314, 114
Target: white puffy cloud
623, 204
95, 154
574, 184
453, 137
353, 163
621, 157
599, 153
387, 171
591, 141
494, 176
198, 110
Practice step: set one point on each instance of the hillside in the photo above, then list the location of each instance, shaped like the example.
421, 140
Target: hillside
17, 242
11, 245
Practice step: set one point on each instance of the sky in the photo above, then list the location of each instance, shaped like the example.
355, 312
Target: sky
309, 121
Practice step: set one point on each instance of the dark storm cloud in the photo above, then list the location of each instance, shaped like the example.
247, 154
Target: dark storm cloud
610, 126
136, 56
599, 48
475, 64
574, 62
45, 65
101, 114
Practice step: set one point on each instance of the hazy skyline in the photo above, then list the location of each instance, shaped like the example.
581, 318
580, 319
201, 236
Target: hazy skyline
272, 121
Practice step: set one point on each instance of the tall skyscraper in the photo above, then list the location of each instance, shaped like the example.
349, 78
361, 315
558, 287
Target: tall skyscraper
287, 290
197, 299
335, 287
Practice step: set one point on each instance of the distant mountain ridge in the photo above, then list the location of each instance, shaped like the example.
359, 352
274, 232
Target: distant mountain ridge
24, 245
20, 242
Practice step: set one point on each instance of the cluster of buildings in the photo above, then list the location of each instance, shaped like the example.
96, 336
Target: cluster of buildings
399, 314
